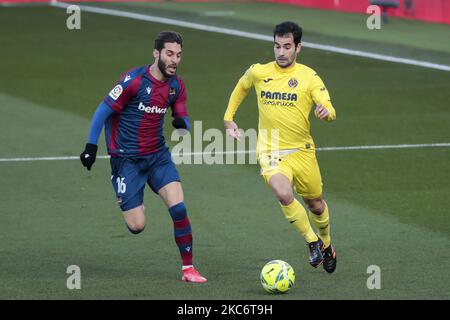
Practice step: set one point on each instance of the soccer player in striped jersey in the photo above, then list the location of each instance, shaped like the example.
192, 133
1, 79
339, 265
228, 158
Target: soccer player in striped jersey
133, 116
286, 92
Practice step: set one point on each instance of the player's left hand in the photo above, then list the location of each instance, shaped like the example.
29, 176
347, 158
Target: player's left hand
321, 112
180, 123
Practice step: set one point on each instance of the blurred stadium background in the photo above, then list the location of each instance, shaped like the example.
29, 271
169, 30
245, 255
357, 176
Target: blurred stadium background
389, 204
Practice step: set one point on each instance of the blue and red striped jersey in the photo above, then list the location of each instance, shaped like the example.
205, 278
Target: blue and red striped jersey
140, 102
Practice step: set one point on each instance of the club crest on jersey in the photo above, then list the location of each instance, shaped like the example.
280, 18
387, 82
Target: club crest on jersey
116, 92
172, 91
293, 83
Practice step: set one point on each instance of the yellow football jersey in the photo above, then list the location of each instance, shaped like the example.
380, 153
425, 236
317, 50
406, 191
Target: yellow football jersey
285, 98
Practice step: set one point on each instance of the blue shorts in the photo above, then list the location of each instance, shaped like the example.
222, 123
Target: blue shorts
129, 176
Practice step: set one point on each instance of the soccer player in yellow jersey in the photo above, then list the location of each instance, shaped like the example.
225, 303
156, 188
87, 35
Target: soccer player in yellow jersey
286, 92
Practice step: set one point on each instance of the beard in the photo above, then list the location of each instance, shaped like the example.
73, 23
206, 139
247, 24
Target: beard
162, 67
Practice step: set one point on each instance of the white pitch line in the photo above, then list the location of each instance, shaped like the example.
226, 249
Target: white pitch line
251, 35
387, 146
46, 158
190, 154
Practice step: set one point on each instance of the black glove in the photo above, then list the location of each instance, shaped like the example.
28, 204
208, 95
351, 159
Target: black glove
88, 156
179, 123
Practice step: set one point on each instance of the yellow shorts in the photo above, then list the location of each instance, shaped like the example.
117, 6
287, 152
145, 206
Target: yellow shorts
300, 167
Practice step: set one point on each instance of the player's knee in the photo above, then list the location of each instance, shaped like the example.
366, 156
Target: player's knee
285, 197
178, 211
316, 207
136, 228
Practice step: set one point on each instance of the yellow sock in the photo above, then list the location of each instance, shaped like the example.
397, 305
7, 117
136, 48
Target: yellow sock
322, 223
295, 213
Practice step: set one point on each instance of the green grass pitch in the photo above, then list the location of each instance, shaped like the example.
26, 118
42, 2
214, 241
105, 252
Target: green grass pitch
388, 208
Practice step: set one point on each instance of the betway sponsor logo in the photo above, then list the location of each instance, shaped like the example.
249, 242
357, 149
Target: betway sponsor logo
279, 96
154, 109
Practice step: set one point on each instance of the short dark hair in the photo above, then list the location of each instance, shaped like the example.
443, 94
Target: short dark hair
287, 27
167, 36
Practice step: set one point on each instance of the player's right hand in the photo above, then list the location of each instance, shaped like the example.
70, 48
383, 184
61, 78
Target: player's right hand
232, 130
88, 156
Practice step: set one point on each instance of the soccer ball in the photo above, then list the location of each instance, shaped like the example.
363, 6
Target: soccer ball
277, 276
